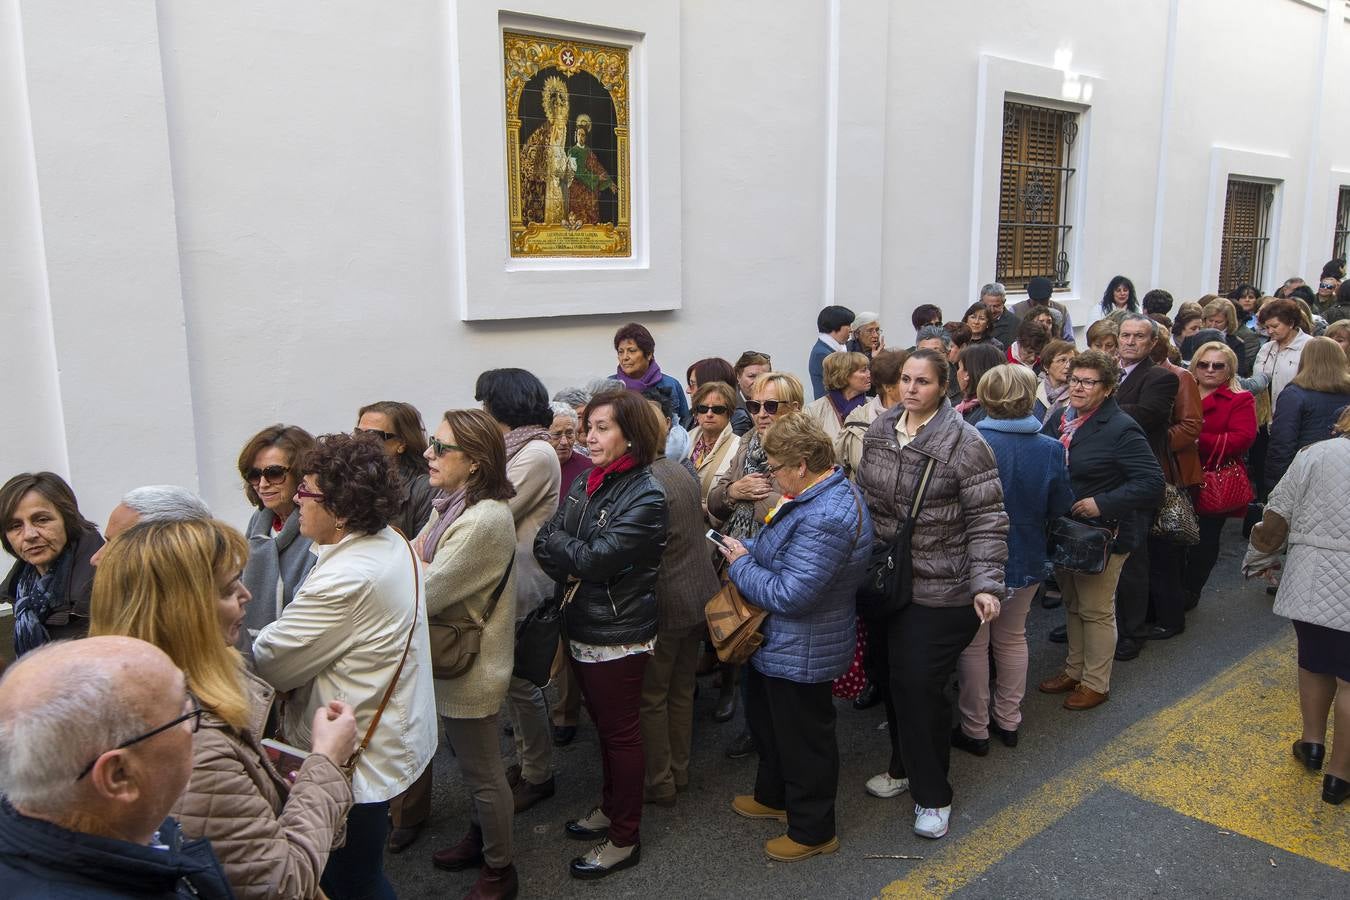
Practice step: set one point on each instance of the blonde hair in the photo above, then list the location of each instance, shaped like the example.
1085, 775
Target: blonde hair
1322, 367
1340, 326
785, 384
1008, 392
161, 582
1226, 308
796, 436
1229, 357
1102, 329
1342, 426
838, 368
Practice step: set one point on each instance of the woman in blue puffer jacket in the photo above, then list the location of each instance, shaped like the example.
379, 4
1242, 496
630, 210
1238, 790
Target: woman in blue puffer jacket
1036, 490
804, 568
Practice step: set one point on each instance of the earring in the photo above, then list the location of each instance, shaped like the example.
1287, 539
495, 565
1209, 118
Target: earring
341, 525
473, 468
630, 445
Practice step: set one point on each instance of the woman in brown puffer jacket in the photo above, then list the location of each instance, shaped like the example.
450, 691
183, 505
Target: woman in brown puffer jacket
958, 548
176, 585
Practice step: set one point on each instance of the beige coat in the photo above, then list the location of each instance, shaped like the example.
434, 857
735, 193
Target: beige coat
271, 840
536, 475
822, 412
848, 444
716, 462
470, 559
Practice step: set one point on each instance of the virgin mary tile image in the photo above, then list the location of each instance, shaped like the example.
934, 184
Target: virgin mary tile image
567, 147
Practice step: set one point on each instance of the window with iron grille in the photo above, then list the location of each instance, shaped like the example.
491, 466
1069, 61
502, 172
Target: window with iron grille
1339, 239
1033, 194
1246, 220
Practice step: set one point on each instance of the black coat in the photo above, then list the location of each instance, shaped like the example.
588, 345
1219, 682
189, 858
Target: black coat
1111, 462
1147, 396
613, 541
39, 859
70, 619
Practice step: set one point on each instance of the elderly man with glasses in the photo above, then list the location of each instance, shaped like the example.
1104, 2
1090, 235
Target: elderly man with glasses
95, 747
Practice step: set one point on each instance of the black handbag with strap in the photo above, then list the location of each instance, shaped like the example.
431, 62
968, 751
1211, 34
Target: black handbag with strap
1079, 546
889, 585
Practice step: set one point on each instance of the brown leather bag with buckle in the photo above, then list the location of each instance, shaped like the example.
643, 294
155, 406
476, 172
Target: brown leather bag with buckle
734, 624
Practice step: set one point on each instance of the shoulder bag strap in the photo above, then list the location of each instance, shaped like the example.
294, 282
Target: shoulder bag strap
393, 682
923, 489
497, 592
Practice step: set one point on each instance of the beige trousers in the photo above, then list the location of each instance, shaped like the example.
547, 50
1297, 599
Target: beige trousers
667, 712
1089, 602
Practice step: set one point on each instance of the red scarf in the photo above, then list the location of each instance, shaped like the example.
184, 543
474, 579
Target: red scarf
596, 476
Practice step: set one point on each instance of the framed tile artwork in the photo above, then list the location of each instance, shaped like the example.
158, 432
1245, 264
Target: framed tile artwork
568, 147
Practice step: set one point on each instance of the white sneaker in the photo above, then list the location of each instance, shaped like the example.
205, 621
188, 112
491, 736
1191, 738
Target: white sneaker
885, 787
931, 823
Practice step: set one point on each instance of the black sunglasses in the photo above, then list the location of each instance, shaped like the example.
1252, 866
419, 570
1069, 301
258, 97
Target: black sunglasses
273, 474
769, 406
195, 714
718, 410
384, 435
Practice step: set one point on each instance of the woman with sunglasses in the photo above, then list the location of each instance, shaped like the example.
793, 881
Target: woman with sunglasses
743, 496
712, 440
404, 438
278, 554
356, 631
1228, 430
177, 585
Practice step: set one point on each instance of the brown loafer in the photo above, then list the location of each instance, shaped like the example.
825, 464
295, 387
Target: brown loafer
1085, 698
1060, 684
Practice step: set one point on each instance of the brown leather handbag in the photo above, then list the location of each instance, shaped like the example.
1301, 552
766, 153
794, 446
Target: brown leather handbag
455, 642
734, 624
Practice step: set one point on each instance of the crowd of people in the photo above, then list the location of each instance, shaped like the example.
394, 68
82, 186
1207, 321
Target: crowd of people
206, 711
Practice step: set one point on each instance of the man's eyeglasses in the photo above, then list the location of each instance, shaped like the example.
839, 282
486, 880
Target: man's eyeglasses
1084, 382
383, 435
1211, 366
555, 437
302, 494
703, 409
195, 714
769, 406
273, 474
440, 448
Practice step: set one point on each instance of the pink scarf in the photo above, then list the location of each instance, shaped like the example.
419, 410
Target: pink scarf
1068, 427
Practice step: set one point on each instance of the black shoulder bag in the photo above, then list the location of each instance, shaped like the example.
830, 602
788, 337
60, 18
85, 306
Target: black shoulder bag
889, 585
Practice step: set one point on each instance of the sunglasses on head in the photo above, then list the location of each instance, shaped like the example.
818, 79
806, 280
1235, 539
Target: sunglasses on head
382, 435
769, 406
703, 408
273, 474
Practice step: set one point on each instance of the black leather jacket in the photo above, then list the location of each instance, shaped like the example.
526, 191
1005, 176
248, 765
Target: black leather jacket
613, 541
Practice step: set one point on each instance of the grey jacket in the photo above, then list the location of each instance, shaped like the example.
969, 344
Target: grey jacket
277, 566
960, 541
686, 580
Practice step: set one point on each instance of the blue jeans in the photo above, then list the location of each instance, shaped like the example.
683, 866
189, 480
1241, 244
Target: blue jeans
356, 871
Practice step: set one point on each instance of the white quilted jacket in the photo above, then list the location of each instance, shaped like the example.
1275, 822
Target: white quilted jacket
1315, 586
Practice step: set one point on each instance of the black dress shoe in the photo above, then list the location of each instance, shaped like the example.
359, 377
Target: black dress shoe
1008, 737
564, 735
1060, 634
1310, 754
1335, 790
1051, 601
743, 746
1192, 600
1128, 648
1158, 633
586, 866
963, 741
870, 697
401, 839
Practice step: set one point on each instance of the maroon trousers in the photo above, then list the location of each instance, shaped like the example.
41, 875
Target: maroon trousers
613, 695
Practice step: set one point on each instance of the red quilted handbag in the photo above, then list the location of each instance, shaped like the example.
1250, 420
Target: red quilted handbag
1226, 488
849, 685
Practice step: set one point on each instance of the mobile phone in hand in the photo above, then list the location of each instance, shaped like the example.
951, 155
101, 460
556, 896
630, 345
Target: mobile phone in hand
715, 536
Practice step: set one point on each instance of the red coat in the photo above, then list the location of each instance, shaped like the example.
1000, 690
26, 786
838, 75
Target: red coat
1231, 415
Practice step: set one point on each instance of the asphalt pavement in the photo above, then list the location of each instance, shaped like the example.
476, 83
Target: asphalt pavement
1181, 785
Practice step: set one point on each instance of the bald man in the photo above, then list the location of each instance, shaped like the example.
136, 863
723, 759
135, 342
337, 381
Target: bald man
95, 747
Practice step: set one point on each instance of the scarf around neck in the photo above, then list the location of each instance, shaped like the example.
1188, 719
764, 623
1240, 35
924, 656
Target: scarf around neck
449, 507
650, 378
1052, 393
843, 407
37, 598
742, 522
1069, 424
597, 475
517, 438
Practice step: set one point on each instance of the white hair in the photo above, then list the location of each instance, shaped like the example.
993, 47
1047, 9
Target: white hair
929, 332
166, 503
563, 408
44, 746
865, 318
993, 289
573, 397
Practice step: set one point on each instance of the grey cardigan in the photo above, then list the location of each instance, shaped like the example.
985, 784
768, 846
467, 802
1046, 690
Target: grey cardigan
277, 566
686, 580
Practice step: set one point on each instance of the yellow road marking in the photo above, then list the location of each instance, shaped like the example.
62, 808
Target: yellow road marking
1220, 755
